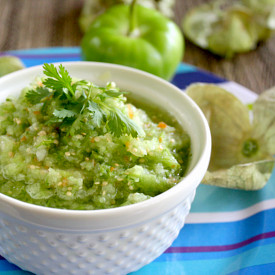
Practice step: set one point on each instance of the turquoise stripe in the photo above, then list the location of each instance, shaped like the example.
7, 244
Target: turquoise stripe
53, 50
186, 68
256, 256
29, 62
216, 199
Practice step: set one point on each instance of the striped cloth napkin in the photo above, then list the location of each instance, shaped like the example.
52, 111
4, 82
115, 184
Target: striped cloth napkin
227, 231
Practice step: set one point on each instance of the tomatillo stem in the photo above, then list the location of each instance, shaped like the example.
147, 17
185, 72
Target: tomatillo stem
132, 17
250, 147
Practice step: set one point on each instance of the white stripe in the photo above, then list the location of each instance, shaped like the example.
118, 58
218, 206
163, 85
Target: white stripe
241, 92
210, 217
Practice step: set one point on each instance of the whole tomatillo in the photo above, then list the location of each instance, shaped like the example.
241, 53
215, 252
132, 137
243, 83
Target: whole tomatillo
135, 36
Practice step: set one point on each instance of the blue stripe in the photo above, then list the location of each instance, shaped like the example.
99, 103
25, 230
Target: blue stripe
5, 266
256, 269
182, 80
15, 272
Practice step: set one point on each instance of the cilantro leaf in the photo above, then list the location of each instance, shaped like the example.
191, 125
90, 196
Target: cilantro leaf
78, 105
119, 124
58, 80
98, 113
76, 125
114, 124
35, 96
63, 113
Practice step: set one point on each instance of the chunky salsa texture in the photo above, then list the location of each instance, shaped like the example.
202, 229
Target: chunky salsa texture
99, 154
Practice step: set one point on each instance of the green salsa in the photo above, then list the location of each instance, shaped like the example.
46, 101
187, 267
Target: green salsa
53, 157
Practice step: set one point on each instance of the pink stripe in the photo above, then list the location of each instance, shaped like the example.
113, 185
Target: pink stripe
216, 248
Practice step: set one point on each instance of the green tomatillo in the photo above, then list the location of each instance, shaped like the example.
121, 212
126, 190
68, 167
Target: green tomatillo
9, 64
135, 36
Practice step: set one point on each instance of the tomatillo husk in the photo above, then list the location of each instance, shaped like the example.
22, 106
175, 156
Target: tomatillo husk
242, 151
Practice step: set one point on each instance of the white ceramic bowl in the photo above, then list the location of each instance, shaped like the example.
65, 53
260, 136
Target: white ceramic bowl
112, 241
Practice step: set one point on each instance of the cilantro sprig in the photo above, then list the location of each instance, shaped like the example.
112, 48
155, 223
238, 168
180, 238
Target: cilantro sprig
80, 104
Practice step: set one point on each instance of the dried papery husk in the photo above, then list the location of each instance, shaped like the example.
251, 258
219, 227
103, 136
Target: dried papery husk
264, 121
235, 32
229, 27
241, 152
229, 123
259, 6
249, 176
198, 24
221, 27
263, 17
